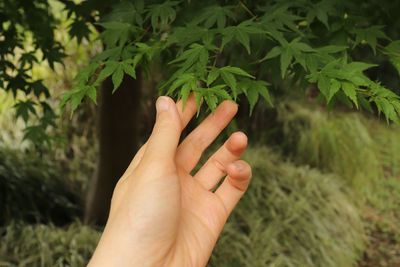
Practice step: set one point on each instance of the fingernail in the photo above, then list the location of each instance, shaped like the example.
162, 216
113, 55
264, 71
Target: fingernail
162, 103
238, 166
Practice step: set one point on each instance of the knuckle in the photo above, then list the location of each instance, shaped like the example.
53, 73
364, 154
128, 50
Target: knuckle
218, 164
197, 143
163, 123
239, 184
166, 120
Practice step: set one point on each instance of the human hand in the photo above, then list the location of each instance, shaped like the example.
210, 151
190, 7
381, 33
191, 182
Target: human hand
163, 216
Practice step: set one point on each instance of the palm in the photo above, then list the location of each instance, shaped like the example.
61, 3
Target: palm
205, 216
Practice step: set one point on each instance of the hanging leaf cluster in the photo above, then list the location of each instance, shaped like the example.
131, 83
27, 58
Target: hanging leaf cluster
215, 49
225, 50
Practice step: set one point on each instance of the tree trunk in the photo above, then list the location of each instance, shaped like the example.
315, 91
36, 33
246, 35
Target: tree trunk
118, 130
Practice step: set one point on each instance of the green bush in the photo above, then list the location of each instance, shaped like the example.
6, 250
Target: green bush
46, 245
365, 152
387, 140
291, 216
35, 191
383, 229
337, 143
11, 129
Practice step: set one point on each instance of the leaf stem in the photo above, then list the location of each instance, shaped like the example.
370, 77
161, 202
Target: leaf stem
247, 9
217, 54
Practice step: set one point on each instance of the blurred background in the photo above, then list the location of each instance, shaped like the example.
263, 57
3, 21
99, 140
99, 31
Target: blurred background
326, 176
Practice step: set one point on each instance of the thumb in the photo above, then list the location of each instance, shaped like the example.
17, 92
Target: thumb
167, 129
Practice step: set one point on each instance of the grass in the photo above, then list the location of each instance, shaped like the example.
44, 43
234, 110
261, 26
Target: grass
291, 216
335, 200
365, 153
35, 191
46, 245
337, 143
383, 226
11, 132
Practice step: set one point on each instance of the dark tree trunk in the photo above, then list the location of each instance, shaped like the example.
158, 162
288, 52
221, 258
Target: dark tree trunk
118, 130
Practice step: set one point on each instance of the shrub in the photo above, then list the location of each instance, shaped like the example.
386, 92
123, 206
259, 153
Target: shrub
290, 216
387, 140
383, 227
11, 129
338, 143
46, 245
35, 191
366, 153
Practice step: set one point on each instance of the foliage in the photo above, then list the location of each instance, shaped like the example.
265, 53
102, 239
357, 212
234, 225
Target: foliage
366, 154
46, 245
383, 215
387, 140
290, 216
337, 143
34, 190
383, 229
11, 130
28, 39
220, 51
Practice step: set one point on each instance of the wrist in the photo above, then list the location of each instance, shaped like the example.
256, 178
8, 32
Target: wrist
126, 248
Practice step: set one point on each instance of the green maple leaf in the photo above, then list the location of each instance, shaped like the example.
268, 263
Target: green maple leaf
369, 36
162, 15
228, 74
117, 33
24, 108
129, 68
184, 36
334, 87
117, 76
127, 12
79, 29
75, 96
108, 70
215, 15
194, 57
349, 90
281, 17
288, 52
181, 80
253, 89
241, 33
321, 11
392, 50
109, 54
213, 74
332, 76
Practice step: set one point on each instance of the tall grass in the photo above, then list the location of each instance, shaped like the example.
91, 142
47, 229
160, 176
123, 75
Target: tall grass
365, 153
33, 190
46, 245
339, 143
11, 130
290, 216
387, 140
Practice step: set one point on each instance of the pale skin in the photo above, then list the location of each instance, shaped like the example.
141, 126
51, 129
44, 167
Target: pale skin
162, 215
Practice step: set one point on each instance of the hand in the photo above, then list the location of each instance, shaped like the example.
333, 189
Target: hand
161, 215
